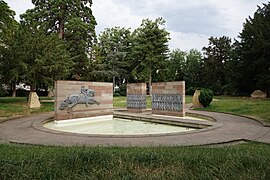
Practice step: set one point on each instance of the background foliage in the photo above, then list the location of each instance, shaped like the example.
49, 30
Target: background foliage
119, 55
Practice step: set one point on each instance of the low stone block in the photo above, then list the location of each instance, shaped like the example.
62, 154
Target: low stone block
136, 97
168, 98
195, 100
33, 101
259, 94
98, 95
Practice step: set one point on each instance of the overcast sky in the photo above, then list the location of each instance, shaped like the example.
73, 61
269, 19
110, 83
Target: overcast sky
190, 22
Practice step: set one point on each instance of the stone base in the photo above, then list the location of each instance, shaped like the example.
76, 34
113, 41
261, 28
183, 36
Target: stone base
131, 110
33, 101
259, 94
195, 100
75, 115
169, 113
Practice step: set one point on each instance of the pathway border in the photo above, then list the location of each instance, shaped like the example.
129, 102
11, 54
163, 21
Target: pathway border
227, 128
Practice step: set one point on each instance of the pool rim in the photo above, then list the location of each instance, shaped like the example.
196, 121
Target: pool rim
214, 125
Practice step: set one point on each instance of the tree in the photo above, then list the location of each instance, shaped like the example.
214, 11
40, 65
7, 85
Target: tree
216, 56
43, 58
186, 66
72, 21
8, 26
114, 44
253, 50
177, 64
149, 50
193, 69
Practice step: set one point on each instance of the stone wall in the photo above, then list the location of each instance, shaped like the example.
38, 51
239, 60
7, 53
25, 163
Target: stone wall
168, 98
103, 95
136, 97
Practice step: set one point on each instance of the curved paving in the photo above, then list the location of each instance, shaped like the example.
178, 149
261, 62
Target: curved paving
229, 128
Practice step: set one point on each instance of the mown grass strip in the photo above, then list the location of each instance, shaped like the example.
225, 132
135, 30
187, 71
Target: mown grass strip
245, 161
243, 106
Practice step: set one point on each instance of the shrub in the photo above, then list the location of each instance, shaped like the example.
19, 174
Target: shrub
116, 94
123, 89
206, 97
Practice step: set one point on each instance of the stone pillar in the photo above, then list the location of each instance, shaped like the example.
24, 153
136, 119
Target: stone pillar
168, 98
195, 100
136, 97
99, 96
33, 100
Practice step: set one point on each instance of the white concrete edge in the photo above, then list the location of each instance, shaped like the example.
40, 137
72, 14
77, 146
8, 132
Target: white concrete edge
68, 122
178, 117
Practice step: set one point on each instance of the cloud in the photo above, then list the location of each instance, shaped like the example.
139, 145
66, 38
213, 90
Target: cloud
109, 14
19, 6
190, 22
187, 41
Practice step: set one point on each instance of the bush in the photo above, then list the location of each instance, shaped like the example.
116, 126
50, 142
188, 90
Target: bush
206, 97
123, 89
116, 94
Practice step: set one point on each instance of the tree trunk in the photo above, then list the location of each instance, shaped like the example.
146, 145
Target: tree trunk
13, 89
50, 92
32, 88
150, 83
113, 84
61, 28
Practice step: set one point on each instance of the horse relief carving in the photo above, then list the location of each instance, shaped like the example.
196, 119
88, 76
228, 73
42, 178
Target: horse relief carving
85, 97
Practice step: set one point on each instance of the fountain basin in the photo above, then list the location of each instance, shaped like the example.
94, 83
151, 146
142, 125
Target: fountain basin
125, 124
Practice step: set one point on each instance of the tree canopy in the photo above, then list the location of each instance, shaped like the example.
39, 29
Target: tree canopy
149, 50
253, 51
74, 22
114, 45
8, 63
57, 40
216, 56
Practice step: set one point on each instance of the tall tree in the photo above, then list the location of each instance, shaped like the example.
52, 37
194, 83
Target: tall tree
150, 50
73, 21
216, 56
43, 58
177, 64
114, 44
253, 51
193, 69
7, 23
8, 26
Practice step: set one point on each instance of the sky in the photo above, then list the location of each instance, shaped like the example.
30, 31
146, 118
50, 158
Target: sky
189, 22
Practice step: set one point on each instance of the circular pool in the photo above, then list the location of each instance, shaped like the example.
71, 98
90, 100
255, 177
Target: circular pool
109, 125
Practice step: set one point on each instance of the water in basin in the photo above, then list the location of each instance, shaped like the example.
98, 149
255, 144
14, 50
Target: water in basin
116, 126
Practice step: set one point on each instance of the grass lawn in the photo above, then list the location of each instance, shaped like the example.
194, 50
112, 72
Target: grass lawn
13, 107
243, 106
245, 161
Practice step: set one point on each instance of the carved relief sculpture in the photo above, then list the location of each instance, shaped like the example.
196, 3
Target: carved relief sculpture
85, 97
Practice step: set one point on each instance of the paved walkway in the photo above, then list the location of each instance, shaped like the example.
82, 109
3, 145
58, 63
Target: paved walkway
228, 128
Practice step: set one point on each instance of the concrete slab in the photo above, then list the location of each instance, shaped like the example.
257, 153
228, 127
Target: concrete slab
231, 128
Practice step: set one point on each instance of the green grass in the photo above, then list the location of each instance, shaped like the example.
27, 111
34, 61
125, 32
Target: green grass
13, 107
243, 106
246, 161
